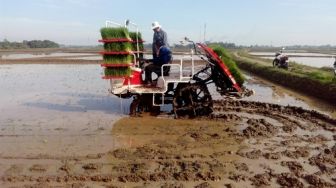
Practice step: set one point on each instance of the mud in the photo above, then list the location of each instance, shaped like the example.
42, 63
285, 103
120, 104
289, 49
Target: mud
288, 180
242, 144
317, 182
259, 128
261, 180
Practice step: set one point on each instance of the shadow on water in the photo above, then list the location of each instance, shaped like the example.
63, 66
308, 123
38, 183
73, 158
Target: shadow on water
83, 102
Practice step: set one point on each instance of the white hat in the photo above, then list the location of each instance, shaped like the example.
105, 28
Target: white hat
155, 25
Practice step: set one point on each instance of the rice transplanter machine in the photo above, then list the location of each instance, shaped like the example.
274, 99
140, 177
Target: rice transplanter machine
185, 86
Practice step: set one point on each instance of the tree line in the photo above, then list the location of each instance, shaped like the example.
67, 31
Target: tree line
5, 44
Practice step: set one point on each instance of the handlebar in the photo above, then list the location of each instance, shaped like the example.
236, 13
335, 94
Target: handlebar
193, 43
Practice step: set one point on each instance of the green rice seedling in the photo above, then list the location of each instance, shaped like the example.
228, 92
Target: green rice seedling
133, 36
120, 71
230, 63
118, 59
118, 46
114, 32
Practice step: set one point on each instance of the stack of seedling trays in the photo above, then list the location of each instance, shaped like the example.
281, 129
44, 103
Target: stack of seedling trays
119, 47
137, 42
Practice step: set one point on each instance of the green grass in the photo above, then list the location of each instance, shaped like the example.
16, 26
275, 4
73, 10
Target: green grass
114, 32
121, 71
118, 59
323, 75
118, 46
230, 63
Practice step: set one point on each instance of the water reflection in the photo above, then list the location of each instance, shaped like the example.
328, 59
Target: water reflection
84, 102
56, 93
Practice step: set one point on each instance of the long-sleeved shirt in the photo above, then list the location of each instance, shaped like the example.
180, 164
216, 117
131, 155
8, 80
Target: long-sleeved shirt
159, 39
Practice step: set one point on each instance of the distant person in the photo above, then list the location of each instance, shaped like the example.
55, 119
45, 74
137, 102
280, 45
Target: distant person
159, 38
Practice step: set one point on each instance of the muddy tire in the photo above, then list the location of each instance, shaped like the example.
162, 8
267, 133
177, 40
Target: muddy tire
276, 63
143, 103
192, 100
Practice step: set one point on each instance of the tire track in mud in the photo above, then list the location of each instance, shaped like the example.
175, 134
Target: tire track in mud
253, 144
272, 110
303, 139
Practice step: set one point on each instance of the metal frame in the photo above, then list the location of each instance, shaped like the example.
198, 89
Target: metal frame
109, 22
137, 34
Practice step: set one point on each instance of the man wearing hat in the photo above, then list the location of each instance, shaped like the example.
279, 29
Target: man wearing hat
161, 55
159, 38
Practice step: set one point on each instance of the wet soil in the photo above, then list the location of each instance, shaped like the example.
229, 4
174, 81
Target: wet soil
242, 144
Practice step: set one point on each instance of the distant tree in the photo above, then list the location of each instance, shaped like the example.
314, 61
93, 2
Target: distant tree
5, 44
42, 44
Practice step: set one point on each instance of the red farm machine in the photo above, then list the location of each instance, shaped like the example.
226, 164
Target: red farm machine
185, 86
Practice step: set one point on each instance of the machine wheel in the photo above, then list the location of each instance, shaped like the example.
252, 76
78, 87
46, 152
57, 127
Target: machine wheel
143, 103
192, 100
221, 81
275, 62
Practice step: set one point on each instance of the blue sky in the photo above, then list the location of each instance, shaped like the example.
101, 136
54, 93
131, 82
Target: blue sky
245, 22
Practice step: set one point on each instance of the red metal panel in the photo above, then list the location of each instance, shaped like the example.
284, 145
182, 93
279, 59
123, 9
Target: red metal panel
221, 64
134, 79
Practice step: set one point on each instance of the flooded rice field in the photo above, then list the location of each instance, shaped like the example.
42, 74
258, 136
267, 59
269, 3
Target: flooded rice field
310, 59
48, 86
41, 102
60, 127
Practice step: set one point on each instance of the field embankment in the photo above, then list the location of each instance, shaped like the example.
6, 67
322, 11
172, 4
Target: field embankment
317, 82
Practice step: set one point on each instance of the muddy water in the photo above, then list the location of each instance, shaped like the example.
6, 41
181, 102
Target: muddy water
41, 103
